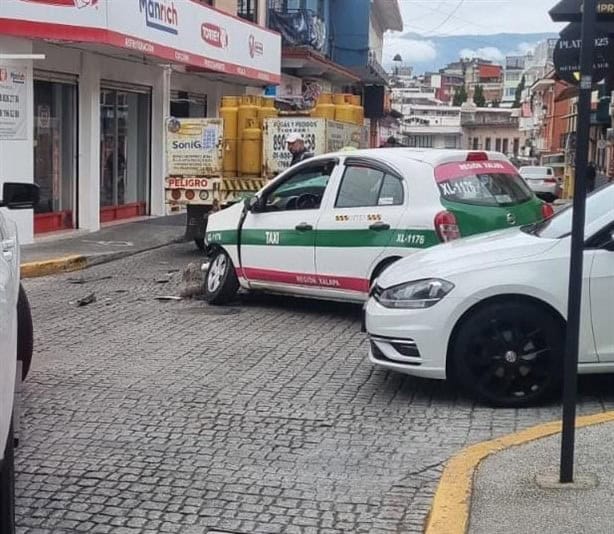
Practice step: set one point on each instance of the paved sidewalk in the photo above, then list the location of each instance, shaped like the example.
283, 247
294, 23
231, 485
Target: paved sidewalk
112, 242
507, 498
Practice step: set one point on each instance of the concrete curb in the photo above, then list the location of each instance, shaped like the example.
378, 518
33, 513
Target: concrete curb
66, 264
79, 262
451, 506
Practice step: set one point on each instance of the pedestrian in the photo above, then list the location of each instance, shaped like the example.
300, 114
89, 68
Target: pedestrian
591, 177
296, 147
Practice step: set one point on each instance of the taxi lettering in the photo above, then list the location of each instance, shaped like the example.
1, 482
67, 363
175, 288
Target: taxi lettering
272, 238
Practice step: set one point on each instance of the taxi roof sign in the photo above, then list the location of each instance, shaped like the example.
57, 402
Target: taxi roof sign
571, 11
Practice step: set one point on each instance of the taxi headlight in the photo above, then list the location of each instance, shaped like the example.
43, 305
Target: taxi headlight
414, 295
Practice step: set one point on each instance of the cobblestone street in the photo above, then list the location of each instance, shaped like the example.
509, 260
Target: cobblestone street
145, 416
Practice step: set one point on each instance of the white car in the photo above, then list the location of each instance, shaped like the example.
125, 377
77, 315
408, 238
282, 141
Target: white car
327, 227
489, 311
16, 340
542, 181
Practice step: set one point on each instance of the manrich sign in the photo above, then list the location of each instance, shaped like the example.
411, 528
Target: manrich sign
567, 54
571, 11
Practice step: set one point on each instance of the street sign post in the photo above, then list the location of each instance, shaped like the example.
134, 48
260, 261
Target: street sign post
587, 12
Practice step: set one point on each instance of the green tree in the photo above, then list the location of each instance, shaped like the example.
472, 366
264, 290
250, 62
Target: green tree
478, 96
518, 96
460, 96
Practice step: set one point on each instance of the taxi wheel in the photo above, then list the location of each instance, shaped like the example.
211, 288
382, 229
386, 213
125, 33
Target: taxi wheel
221, 282
509, 354
7, 488
25, 341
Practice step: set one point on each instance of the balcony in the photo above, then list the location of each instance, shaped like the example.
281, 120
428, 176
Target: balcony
298, 27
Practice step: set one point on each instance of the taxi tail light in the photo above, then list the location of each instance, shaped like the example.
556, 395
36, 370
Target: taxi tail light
547, 211
446, 226
477, 156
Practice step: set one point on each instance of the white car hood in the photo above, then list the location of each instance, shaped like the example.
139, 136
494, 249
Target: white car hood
464, 255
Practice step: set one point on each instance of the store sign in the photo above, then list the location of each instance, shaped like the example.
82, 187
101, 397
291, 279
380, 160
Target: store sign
567, 54
193, 150
178, 31
13, 102
571, 11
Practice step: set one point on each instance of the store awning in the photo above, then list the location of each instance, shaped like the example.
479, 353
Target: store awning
306, 63
186, 33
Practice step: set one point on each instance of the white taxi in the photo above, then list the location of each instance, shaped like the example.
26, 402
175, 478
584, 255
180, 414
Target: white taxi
16, 341
328, 227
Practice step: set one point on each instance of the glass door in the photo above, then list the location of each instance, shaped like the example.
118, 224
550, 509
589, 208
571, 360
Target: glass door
124, 154
55, 150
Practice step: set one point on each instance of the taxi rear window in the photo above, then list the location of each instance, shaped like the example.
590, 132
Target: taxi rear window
482, 183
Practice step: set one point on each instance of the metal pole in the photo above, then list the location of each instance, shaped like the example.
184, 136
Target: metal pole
570, 376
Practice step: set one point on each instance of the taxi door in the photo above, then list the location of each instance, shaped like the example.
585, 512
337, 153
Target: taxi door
357, 226
278, 238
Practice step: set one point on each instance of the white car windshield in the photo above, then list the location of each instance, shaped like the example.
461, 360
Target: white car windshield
598, 204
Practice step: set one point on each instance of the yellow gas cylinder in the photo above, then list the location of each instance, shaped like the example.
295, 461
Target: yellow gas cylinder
248, 109
357, 109
344, 112
267, 111
251, 149
229, 112
325, 109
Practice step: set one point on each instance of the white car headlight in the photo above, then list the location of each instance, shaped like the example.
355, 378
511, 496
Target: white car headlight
414, 295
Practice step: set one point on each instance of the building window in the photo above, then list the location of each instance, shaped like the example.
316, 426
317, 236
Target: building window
421, 141
476, 143
450, 141
248, 10
487, 144
498, 145
516, 146
506, 146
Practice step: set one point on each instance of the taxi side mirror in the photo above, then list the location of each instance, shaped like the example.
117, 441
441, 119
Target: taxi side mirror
19, 196
253, 204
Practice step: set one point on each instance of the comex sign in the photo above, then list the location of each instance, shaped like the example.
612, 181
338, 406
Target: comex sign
160, 15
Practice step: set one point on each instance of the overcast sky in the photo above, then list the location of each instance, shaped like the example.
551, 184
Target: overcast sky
440, 18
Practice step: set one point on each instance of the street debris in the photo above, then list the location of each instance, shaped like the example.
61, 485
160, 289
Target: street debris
85, 301
193, 283
168, 297
83, 280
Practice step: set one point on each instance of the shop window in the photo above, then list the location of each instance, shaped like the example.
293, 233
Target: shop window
55, 150
248, 10
124, 154
186, 105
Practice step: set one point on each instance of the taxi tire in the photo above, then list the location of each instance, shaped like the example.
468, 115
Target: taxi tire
25, 333
7, 487
229, 283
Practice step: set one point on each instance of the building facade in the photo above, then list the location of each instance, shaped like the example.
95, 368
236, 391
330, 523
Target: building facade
96, 81
432, 127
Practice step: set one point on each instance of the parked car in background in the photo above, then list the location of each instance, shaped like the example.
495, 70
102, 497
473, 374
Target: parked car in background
328, 227
490, 311
542, 181
15, 341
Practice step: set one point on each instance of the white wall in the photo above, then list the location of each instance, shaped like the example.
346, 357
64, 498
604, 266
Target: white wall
17, 156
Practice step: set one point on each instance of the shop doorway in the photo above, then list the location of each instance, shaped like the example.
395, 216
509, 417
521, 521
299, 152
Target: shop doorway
55, 151
124, 153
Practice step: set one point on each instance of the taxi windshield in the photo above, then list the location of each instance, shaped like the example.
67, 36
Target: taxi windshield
488, 183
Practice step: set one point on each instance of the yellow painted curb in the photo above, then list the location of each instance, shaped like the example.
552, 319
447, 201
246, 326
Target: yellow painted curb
59, 265
452, 502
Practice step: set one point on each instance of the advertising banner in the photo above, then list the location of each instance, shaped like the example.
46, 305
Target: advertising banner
13, 102
193, 151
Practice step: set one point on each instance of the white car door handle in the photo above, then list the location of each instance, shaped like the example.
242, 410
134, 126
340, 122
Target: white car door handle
8, 248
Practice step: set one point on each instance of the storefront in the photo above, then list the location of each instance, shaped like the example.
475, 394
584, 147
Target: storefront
100, 79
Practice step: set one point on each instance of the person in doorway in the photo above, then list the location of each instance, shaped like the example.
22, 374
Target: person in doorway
296, 147
591, 177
